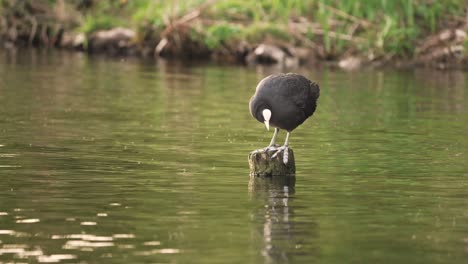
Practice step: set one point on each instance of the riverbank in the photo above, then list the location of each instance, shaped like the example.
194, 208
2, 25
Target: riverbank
348, 35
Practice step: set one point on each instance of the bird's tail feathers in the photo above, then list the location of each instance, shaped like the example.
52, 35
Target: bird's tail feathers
315, 89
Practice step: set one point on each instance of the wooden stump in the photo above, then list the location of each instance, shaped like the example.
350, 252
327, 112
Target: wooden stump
261, 163
274, 185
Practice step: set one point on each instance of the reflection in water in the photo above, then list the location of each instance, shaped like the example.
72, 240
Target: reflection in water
57, 247
120, 159
276, 218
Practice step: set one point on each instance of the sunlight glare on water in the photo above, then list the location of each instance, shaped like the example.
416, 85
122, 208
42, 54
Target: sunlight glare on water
115, 161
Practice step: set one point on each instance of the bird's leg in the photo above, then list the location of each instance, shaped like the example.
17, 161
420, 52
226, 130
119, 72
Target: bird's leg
273, 140
283, 148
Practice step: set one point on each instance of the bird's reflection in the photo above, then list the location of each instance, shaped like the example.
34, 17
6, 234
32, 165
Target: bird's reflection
282, 237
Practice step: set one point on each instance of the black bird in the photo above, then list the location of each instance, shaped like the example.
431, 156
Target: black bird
284, 101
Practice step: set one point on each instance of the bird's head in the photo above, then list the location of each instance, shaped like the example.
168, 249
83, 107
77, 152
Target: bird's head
266, 113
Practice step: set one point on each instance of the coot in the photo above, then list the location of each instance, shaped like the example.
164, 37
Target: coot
284, 101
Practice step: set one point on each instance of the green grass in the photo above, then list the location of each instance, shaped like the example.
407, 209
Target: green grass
386, 26
219, 34
92, 23
262, 31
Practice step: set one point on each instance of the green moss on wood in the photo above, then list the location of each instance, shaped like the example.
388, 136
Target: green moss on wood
261, 163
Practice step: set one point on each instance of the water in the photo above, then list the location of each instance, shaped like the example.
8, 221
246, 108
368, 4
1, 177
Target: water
112, 161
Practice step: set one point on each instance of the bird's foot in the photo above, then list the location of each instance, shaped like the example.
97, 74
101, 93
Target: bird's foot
267, 149
285, 151
271, 148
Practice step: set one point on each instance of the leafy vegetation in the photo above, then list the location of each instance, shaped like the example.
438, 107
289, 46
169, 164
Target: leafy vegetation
218, 34
380, 26
92, 24
377, 27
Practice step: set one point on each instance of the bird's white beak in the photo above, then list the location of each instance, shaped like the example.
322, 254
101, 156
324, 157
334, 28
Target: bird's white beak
266, 116
267, 124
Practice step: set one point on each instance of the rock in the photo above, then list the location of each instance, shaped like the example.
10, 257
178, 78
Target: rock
460, 35
71, 40
442, 50
261, 163
350, 63
115, 41
79, 41
271, 54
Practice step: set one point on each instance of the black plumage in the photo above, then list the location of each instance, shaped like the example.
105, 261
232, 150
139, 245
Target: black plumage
290, 98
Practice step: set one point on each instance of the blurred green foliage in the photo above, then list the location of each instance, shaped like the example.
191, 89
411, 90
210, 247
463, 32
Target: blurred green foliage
219, 34
377, 26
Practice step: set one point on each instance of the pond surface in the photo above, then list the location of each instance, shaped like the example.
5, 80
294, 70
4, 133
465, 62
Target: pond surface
122, 161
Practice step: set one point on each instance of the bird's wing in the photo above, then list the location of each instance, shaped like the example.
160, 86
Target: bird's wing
293, 88
311, 102
304, 96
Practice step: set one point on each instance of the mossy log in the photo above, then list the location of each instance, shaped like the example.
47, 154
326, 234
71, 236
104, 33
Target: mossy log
261, 163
